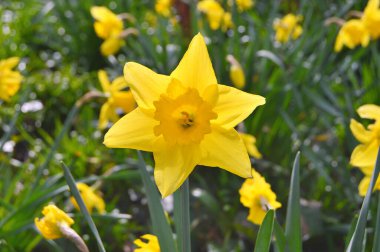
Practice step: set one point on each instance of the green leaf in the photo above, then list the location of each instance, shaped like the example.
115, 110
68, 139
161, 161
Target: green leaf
74, 191
265, 233
293, 214
280, 241
376, 239
356, 242
160, 225
182, 217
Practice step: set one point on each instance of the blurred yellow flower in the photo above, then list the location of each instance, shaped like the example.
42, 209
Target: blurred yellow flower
244, 5
215, 14
185, 119
364, 155
109, 27
116, 99
236, 72
371, 18
90, 197
10, 80
227, 21
352, 34
287, 28
52, 222
257, 195
151, 245
250, 144
162, 7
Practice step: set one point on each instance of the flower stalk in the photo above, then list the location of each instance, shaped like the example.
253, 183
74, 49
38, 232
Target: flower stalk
73, 236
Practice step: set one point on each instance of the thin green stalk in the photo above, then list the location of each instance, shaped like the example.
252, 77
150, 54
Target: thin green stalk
182, 217
376, 241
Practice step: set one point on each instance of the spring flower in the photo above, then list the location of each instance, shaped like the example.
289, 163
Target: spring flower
51, 224
227, 21
236, 72
90, 199
256, 194
364, 155
10, 80
352, 34
250, 144
109, 27
214, 12
162, 7
371, 18
185, 119
244, 5
151, 245
116, 99
287, 28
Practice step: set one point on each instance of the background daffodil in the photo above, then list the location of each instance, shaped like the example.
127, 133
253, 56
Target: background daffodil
287, 28
185, 119
371, 18
151, 244
352, 34
10, 80
90, 198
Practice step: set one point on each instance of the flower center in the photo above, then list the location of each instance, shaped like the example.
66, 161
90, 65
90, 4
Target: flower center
184, 118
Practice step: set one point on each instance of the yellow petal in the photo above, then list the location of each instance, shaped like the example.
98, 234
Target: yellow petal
9, 63
111, 46
101, 13
104, 82
146, 85
173, 164
124, 100
364, 155
360, 133
234, 106
225, 149
211, 94
119, 84
104, 116
363, 185
134, 131
369, 111
195, 69
101, 30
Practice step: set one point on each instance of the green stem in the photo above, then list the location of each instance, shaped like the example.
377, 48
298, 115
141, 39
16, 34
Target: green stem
376, 245
182, 217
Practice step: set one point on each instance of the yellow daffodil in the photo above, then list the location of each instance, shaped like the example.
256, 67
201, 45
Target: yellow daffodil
90, 197
236, 72
10, 80
214, 12
364, 155
244, 5
185, 119
53, 221
109, 27
227, 21
287, 28
352, 34
116, 99
257, 195
162, 7
371, 18
250, 144
151, 245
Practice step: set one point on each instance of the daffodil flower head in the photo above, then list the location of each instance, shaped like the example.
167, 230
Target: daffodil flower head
149, 245
185, 119
352, 34
52, 222
162, 7
250, 144
371, 18
90, 198
236, 72
10, 80
116, 98
214, 12
287, 28
244, 5
257, 195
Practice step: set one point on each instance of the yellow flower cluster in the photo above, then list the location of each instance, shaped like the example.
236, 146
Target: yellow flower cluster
10, 80
364, 155
360, 31
151, 245
287, 28
116, 98
109, 27
162, 7
244, 5
257, 195
50, 225
217, 17
91, 199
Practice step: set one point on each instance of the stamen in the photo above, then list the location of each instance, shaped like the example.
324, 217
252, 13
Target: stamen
187, 120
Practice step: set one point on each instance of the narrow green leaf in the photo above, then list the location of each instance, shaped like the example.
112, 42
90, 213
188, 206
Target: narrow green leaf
160, 225
264, 236
376, 239
293, 214
280, 241
356, 242
351, 231
182, 217
74, 191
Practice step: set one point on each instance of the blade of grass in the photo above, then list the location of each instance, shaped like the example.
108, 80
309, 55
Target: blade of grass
182, 217
265, 233
376, 239
160, 225
280, 241
293, 213
74, 191
356, 242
